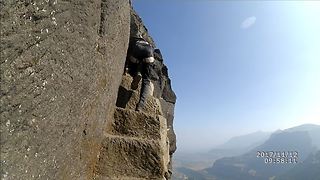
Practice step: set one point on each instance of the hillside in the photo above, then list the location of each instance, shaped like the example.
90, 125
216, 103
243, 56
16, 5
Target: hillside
312, 129
249, 166
308, 170
228, 165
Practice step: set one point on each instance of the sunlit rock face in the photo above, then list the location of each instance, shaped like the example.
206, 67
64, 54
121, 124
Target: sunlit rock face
139, 145
62, 112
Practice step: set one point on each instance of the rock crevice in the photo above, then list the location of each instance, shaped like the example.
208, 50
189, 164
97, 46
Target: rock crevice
140, 144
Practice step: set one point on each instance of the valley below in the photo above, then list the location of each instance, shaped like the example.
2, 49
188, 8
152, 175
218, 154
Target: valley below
290, 154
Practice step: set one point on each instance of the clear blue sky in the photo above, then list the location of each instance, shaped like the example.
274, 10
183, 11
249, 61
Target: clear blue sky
237, 66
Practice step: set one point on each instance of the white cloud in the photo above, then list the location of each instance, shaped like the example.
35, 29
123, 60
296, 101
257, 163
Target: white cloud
248, 22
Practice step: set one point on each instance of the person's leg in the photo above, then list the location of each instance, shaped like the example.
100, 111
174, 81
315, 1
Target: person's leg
146, 91
144, 54
137, 77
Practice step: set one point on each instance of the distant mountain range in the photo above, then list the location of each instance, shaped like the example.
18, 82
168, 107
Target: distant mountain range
250, 167
302, 141
246, 142
233, 147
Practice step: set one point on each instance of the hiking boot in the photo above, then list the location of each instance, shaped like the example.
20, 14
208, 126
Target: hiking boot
139, 107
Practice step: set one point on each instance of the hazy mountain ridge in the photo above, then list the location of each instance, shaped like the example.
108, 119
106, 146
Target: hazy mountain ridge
235, 146
312, 129
308, 170
303, 139
249, 166
245, 141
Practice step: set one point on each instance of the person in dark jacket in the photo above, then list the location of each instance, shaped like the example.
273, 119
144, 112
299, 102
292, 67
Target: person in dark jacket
140, 53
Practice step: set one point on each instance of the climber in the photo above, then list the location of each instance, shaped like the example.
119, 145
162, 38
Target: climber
140, 54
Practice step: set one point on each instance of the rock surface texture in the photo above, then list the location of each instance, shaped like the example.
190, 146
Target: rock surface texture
66, 109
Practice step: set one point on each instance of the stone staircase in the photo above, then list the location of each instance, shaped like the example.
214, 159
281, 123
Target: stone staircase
136, 145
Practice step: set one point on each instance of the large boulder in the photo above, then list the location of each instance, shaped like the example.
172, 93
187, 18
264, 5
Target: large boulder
61, 66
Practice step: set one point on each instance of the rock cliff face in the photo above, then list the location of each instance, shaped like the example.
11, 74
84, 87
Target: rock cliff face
67, 110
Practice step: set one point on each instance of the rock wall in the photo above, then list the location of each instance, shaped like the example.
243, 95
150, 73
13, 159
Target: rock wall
61, 64
60, 108
139, 145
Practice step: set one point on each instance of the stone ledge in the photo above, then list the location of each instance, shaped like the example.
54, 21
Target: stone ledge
130, 157
136, 124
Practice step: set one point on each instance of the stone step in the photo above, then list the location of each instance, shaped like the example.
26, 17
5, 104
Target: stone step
130, 157
124, 178
137, 124
129, 98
